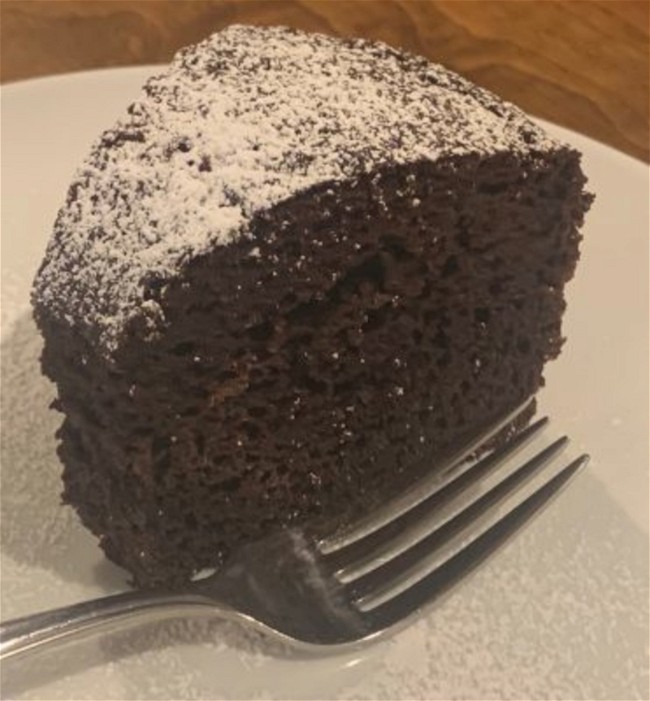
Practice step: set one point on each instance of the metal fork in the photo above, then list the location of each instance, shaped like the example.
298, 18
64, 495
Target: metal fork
355, 585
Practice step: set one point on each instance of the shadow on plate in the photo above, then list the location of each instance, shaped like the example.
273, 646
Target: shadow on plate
36, 531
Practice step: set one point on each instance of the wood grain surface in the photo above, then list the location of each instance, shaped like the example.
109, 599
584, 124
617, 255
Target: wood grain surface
580, 63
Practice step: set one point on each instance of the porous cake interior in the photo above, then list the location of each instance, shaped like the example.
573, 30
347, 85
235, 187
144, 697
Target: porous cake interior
305, 372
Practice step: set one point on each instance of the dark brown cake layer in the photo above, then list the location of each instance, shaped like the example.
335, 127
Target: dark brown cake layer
304, 374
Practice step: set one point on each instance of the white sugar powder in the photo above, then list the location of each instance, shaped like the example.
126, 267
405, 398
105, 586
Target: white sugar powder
237, 124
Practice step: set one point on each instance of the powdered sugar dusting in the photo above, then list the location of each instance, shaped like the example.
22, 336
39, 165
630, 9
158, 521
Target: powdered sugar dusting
237, 124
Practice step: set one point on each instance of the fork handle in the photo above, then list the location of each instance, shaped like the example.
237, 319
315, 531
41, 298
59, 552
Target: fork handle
51, 628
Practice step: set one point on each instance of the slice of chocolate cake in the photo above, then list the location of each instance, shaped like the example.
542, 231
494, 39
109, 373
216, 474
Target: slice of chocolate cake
295, 268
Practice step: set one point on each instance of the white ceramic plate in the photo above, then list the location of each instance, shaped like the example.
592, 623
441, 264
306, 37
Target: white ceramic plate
560, 613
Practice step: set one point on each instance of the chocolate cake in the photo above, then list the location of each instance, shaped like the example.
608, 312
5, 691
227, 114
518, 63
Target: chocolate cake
297, 271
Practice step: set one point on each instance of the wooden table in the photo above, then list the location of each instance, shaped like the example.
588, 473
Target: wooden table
581, 63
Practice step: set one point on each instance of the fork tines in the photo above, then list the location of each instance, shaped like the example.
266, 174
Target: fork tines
445, 528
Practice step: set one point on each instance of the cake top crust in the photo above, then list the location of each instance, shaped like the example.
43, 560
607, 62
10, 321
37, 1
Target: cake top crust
235, 125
